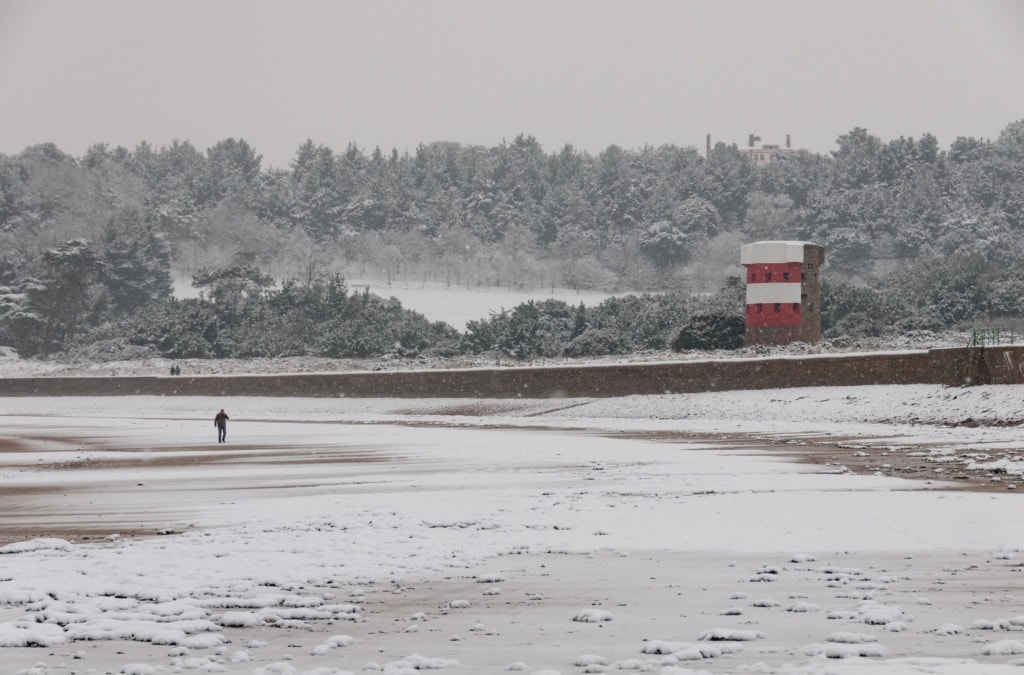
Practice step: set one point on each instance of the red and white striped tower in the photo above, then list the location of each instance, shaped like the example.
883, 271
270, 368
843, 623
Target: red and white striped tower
783, 291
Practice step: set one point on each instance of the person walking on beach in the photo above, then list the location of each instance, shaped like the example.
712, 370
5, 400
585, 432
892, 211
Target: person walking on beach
221, 422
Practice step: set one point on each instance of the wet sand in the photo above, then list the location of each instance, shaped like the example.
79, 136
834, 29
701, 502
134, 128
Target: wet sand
93, 483
70, 510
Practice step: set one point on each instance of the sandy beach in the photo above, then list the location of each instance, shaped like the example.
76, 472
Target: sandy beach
610, 536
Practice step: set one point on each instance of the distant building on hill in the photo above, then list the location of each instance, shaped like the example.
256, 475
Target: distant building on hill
783, 292
762, 154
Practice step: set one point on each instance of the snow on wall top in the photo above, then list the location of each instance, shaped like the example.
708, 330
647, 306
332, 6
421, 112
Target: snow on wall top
773, 252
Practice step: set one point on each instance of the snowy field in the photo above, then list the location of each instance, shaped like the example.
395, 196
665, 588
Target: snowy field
797, 531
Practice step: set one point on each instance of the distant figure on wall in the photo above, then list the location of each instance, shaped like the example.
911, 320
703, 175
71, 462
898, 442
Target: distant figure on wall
221, 422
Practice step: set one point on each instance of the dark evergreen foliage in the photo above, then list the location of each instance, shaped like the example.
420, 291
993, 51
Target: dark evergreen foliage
916, 238
711, 330
598, 342
319, 318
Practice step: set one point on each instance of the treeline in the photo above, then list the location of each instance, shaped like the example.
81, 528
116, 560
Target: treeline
916, 236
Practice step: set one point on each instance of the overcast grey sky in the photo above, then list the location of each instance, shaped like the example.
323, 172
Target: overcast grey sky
586, 72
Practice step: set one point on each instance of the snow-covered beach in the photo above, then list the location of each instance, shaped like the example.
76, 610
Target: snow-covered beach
817, 530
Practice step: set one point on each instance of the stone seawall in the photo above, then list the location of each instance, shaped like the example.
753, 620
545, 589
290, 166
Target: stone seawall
996, 365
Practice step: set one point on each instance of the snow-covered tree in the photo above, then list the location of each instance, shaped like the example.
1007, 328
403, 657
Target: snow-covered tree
136, 263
